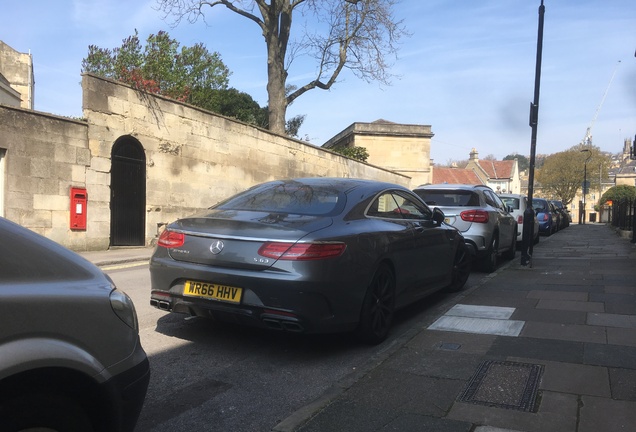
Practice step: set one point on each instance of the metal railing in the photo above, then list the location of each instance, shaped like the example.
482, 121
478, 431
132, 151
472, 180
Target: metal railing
623, 213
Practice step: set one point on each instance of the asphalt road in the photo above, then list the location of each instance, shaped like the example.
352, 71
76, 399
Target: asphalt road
207, 376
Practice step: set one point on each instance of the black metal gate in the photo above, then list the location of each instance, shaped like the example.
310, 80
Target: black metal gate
127, 193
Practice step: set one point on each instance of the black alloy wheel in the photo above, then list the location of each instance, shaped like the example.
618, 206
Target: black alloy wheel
378, 307
489, 263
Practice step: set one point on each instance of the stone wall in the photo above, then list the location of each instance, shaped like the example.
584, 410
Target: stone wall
44, 156
194, 158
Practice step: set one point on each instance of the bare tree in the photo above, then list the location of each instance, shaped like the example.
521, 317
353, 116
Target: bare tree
355, 34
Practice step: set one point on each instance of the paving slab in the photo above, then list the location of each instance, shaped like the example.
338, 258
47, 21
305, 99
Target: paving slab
438, 363
622, 382
612, 320
557, 413
610, 356
418, 423
566, 332
549, 316
466, 343
571, 305
481, 311
621, 336
540, 349
607, 415
478, 325
559, 295
576, 379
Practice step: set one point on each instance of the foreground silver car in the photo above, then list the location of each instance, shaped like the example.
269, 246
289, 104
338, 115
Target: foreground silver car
308, 255
483, 219
70, 357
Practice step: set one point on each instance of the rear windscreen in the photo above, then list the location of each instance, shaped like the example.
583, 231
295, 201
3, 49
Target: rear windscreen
511, 202
290, 198
539, 205
456, 198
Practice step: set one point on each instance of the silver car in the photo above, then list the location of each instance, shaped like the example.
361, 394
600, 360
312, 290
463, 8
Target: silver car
314, 255
479, 214
70, 357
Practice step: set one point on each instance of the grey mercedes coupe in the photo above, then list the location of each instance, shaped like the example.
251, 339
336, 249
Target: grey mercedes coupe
310, 255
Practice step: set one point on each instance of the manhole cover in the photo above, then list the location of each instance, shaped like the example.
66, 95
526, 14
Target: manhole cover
507, 385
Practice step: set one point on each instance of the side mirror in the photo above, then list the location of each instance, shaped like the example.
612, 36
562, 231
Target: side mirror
438, 216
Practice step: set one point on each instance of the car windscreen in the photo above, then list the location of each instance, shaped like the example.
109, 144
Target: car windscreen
449, 198
511, 202
540, 205
290, 198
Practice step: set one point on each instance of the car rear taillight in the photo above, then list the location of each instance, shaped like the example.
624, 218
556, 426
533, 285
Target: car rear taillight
544, 217
478, 216
520, 220
171, 239
301, 251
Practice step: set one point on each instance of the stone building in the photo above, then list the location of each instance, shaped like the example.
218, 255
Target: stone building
402, 148
17, 82
626, 172
501, 176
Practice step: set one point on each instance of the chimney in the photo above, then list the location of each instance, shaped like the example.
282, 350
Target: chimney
474, 155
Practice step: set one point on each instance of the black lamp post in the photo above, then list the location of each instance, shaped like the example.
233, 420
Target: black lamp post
527, 235
585, 186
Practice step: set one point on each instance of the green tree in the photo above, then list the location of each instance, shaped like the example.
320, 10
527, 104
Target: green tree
358, 153
561, 175
231, 103
522, 161
161, 66
618, 193
355, 34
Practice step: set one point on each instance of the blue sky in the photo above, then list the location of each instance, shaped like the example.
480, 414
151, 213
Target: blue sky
467, 70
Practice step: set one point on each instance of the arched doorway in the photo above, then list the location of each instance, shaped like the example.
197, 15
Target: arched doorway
127, 193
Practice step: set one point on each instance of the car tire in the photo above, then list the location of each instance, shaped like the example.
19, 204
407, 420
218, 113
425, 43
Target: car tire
45, 411
510, 253
489, 261
378, 307
461, 268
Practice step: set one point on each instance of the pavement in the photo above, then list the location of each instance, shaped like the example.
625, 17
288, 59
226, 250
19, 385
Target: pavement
547, 348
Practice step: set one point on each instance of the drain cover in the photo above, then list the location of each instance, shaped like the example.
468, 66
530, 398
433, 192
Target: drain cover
507, 385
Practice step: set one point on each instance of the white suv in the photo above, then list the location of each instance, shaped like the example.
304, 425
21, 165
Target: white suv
70, 357
519, 204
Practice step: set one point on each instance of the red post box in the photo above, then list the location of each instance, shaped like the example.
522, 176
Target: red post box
79, 199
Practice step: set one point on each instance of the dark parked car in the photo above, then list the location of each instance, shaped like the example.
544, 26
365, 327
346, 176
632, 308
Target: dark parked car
547, 216
70, 357
312, 255
486, 222
564, 214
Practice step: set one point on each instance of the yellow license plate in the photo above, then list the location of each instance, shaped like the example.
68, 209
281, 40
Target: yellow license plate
212, 291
